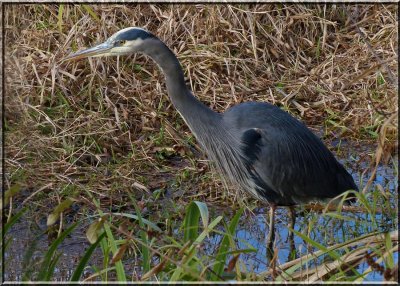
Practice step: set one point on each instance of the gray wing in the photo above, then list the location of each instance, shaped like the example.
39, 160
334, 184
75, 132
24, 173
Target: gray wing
293, 166
288, 163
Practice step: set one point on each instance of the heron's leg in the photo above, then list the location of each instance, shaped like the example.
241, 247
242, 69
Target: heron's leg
292, 221
271, 233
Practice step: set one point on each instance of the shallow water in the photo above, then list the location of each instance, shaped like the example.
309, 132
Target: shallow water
252, 230
251, 233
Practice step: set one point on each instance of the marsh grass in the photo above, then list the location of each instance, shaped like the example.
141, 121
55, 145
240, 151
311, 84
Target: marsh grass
175, 256
364, 235
97, 138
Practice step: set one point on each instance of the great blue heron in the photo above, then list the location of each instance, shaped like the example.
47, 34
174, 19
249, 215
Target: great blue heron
256, 145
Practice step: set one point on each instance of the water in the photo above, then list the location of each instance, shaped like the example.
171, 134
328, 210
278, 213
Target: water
250, 233
253, 229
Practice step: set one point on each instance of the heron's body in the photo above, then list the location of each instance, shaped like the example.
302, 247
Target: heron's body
288, 163
259, 147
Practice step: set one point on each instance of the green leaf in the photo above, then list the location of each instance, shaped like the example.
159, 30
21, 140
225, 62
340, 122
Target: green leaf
48, 259
11, 222
91, 12
119, 267
84, 260
331, 251
27, 265
317, 245
15, 189
3, 231
144, 237
59, 17
207, 230
52, 266
191, 222
92, 233
364, 202
389, 245
189, 260
53, 217
144, 221
339, 216
380, 79
220, 259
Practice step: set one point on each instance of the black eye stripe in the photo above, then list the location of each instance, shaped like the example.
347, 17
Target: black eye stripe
120, 42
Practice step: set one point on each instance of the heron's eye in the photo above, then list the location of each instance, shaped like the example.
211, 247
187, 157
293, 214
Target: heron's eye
120, 43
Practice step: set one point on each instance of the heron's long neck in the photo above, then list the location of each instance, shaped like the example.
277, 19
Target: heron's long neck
196, 114
208, 126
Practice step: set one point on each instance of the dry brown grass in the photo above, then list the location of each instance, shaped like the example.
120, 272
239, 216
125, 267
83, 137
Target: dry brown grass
95, 124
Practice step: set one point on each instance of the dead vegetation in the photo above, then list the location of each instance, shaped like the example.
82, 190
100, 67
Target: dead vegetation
109, 122
107, 126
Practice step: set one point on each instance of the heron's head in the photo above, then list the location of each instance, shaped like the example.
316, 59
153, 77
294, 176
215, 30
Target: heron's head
125, 41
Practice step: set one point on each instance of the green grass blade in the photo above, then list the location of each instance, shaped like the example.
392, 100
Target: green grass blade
191, 226
317, 245
224, 247
15, 189
192, 249
191, 222
52, 266
207, 230
144, 221
338, 216
203, 212
119, 267
5, 242
59, 17
105, 248
189, 260
144, 237
95, 229
26, 261
84, 260
177, 273
389, 245
55, 214
45, 267
305, 259
364, 202
91, 12
12, 221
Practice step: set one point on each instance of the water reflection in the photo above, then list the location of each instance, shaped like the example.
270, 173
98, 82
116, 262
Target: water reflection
252, 230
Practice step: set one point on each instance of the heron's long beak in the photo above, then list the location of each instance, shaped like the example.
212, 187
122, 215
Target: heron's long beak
99, 50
